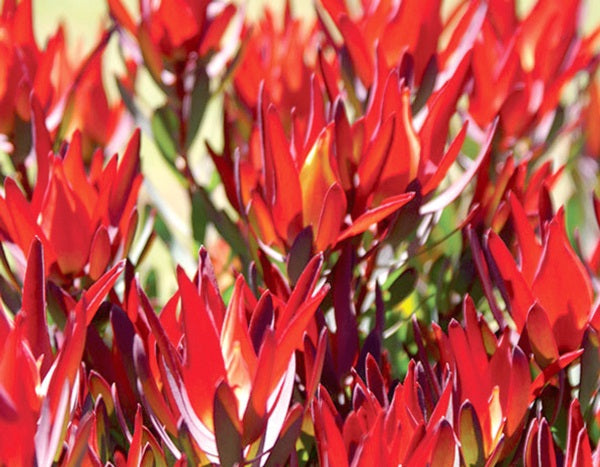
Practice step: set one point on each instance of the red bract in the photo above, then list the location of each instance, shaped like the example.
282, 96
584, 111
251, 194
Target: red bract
410, 27
85, 221
592, 120
169, 31
37, 388
406, 430
101, 123
362, 169
549, 292
283, 57
413, 155
67, 92
25, 67
233, 381
509, 178
493, 386
540, 447
520, 67
306, 190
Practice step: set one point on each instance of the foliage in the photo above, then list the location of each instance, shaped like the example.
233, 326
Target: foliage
401, 268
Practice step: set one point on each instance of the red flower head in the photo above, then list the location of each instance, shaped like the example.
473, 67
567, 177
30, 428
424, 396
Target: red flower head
549, 293
65, 91
85, 221
39, 387
20, 59
406, 430
170, 31
284, 58
493, 383
232, 382
520, 67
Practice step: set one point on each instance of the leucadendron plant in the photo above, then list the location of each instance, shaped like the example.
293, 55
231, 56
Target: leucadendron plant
391, 253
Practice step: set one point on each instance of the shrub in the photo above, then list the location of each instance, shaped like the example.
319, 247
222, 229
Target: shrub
391, 249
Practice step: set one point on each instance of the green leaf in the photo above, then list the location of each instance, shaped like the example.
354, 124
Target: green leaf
199, 218
165, 128
402, 286
199, 99
470, 435
426, 87
160, 227
225, 226
574, 217
10, 296
138, 116
590, 371
151, 284
227, 426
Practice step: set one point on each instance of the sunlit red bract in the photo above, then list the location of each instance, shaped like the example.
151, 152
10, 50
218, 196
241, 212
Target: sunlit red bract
401, 269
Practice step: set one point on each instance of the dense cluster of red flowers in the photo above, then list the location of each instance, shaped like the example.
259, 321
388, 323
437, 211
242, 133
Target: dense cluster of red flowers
406, 271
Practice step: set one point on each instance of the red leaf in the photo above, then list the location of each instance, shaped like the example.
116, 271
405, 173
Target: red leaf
120, 14
575, 426
357, 48
529, 248
332, 215
128, 170
453, 191
43, 146
215, 30
24, 225
446, 161
372, 216
330, 443
66, 364
552, 369
67, 224
35, 324
74, 171
261, 220
445, 448
566, 296
254, 420
474, 385
135, 447
99, 253
289, 337
519, 392
282, 186
545, 446
94, 296
313, 372
318, 173
302, 291
150, 391
373, 162
540, 335
520, 297
203, 363
441, 106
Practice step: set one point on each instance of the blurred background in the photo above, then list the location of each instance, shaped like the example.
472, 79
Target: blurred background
83, 23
